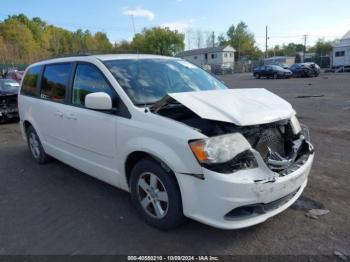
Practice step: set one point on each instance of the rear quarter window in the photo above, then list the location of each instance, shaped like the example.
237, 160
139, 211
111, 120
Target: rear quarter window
29, 85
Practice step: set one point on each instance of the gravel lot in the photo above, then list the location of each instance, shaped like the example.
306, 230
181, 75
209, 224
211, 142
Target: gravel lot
55, 209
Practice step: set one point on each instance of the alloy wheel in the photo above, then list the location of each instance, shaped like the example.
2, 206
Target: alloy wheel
152, 195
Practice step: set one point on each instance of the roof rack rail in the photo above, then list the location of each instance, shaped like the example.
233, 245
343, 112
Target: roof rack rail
96, 52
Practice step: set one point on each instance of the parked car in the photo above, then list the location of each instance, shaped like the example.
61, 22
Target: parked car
302, 70
176, 138
272, 71
8, 99
315, 67
222, 69
14, 74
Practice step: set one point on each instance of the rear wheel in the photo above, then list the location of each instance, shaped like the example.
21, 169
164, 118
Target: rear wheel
257, 76
275, 76
156, 195
35, 147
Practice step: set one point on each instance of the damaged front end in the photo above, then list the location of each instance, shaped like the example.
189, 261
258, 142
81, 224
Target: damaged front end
8, 107
283, 145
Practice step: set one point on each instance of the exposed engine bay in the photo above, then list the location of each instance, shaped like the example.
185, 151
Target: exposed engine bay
281, 149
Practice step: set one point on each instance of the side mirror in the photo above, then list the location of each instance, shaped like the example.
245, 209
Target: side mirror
98, 101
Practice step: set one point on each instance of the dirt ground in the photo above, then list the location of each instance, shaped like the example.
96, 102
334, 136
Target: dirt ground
55, 209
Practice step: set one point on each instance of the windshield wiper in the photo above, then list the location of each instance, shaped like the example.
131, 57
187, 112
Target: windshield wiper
162, 103
144, 104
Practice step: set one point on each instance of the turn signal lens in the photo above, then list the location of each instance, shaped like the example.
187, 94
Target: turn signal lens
198, 149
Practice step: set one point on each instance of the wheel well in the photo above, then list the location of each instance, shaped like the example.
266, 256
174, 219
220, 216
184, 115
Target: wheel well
135, 157
26, 125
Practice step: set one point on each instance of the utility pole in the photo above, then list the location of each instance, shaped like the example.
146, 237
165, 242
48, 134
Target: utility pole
133, 24
305, 39
239, 48
266, 37
213, 39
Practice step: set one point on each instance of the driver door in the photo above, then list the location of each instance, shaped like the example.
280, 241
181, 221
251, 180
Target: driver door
92, 133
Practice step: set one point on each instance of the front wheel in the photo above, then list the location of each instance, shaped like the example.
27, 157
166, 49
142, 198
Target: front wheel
156, 195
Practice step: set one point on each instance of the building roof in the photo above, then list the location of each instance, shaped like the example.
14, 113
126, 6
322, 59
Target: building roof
344, 41
346, 36
202, 51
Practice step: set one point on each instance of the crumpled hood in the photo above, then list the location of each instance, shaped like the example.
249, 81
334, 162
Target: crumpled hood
242, 107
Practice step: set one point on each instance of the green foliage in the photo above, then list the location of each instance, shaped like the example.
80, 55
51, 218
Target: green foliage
242, 40
157, 40
24, 40
322, 47
221, 41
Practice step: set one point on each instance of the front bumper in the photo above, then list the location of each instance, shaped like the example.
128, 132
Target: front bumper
211, 200
8, 113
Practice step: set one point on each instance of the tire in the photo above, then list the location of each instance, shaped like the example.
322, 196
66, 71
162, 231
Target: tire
35, 147
309, 74
275, 76
257, 76
160, 208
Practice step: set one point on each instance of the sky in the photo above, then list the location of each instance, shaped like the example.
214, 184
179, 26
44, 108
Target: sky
287, 21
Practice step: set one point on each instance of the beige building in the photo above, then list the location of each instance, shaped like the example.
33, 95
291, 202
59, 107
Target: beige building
341, 52
223, 56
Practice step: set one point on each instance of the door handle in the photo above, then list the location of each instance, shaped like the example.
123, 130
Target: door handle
72, 116
59, 114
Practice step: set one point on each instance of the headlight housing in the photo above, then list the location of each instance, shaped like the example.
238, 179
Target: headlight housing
294, 122
219, 149
224, 153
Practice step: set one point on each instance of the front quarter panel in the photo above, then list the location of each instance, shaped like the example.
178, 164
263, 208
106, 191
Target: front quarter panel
160, 137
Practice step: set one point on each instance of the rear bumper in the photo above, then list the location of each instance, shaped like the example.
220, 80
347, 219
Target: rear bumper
212, 200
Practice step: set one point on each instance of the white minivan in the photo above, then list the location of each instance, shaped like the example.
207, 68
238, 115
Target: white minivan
175, 137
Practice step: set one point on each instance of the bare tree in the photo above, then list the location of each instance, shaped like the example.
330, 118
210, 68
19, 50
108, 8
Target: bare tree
199, 38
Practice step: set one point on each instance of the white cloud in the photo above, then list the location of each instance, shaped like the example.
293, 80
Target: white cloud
180, 25
140, 12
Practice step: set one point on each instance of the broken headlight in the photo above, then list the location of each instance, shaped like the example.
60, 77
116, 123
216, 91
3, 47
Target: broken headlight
225, 153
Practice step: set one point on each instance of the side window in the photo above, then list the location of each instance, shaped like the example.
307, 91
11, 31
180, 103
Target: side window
55, 81
88, 79
30, 81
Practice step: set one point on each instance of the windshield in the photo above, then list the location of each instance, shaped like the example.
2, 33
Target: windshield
276, 67
146, 81
9, 85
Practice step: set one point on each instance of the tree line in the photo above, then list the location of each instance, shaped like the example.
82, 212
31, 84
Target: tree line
24, 40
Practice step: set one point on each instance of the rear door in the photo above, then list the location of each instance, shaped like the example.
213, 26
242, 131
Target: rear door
264, 71
92, 133
51, 108
269, 71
